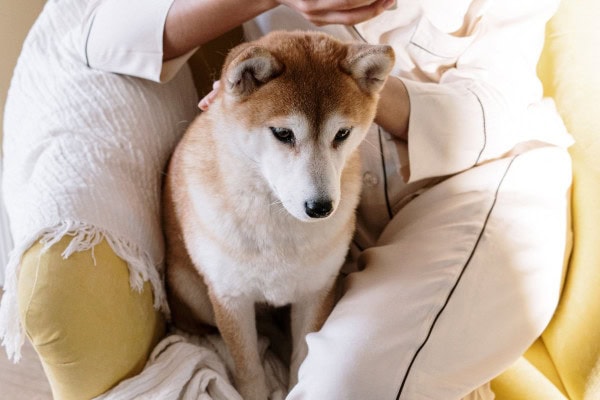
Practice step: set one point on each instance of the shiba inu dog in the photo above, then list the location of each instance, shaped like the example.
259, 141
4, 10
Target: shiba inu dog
260, 194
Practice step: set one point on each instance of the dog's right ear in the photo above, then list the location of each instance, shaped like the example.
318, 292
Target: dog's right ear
251, 67
369, 65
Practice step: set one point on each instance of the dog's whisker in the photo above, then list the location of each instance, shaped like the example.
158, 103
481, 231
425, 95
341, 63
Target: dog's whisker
277, 207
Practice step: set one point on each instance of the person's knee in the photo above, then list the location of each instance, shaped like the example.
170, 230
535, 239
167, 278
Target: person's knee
89, 328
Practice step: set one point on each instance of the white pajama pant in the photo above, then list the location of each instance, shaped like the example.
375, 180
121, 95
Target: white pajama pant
463, 279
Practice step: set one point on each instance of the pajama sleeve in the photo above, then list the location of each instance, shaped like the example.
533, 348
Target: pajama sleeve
479, 96
126, 37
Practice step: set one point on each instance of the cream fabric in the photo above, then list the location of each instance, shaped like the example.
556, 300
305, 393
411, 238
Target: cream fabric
189, 368
461, 282
116, 39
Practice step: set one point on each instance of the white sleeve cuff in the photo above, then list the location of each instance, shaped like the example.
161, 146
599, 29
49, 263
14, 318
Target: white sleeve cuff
446, 130
126, 37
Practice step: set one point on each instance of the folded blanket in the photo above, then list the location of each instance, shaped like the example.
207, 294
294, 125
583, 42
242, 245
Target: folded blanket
185, 367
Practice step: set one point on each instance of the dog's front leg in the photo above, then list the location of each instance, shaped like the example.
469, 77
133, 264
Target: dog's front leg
236, 321
308, 316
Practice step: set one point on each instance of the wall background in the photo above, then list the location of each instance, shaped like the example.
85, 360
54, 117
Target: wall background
16, 17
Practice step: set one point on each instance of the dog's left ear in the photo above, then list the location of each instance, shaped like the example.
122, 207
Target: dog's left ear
369, 65
251, 68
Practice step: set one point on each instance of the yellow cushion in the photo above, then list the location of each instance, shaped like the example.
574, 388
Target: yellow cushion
90, 329
530, 379
573, 337
570, 68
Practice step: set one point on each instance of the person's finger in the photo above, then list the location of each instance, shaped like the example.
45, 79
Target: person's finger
207, 100
320, 6
350, 17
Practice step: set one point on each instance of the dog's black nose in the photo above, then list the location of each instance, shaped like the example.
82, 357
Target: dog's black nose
319, 208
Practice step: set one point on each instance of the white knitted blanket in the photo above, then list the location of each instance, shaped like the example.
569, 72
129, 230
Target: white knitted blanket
83, 155
182, 367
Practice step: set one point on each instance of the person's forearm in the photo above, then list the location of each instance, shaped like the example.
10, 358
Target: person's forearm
191, 23
393, 110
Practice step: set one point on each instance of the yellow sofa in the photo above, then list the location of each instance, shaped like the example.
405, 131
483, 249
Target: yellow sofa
565, 362
92, 331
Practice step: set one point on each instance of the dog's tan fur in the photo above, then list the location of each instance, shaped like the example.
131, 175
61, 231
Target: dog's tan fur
229, 242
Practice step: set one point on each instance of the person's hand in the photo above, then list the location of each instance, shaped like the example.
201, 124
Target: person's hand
344, 12
393, 109
209, 98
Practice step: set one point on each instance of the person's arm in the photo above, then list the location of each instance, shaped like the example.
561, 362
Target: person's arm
190, 23
393, 109
153, 39
126, 37
484, 105
193, 22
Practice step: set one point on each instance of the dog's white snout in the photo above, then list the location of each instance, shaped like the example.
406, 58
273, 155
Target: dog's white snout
318, 208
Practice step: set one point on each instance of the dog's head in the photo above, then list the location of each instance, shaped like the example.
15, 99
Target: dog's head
298, 104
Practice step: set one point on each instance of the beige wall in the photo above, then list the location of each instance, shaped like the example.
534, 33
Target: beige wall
16, 17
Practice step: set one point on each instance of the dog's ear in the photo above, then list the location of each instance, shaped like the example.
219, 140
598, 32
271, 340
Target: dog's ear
250, 68
369, 65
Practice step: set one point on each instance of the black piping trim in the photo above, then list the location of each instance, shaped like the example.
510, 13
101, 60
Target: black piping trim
430, 52
357, 33
453, 289
484, 125
360, 248
385, 183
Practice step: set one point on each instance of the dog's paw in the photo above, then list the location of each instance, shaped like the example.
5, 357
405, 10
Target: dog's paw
277, 395
255, 389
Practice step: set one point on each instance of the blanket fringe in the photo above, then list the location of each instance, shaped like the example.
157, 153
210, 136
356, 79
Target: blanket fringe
84, 237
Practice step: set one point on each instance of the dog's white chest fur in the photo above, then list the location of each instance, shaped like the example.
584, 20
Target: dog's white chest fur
263, 254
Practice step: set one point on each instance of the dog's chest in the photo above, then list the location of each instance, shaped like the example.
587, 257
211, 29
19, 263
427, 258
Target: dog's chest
260, 253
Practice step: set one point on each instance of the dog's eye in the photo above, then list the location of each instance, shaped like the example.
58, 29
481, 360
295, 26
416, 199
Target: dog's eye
342, 134
284, 135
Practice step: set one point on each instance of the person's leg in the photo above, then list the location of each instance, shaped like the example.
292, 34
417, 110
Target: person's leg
461, 282
82, 317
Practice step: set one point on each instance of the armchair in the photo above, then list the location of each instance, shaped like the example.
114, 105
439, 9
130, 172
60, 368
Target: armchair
91, 331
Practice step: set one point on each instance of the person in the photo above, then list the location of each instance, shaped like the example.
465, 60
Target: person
462, 229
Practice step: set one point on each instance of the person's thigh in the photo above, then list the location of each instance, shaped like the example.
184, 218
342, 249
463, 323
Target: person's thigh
461, 282
89, 327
